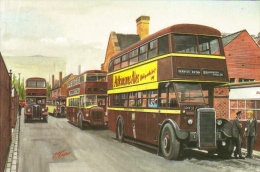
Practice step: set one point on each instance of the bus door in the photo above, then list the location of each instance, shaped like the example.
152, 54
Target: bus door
102, 102
81, 104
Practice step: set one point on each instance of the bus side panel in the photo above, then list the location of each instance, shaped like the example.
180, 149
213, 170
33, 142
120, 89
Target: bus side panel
110, 82
166, 68
138, 126
152, 128
112, 120
50, 108
72, 114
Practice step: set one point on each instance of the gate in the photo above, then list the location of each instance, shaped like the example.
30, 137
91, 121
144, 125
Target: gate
5, 113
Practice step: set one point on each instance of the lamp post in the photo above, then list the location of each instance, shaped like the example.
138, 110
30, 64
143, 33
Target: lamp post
19, 87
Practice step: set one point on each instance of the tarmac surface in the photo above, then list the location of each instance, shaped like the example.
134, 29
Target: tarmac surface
13, 157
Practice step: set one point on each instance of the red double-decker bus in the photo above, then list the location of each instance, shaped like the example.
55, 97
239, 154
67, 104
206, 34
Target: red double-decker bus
161, 91
35, 99
86, 99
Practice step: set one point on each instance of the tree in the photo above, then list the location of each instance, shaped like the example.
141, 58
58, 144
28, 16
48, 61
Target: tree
49, 90
19, 86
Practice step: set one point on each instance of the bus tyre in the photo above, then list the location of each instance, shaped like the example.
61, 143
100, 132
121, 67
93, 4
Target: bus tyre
170, 146
227, 150
80, 123
25, 119
120, 130
45, 119
55, 113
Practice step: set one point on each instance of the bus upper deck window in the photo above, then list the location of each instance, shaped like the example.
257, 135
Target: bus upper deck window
133, 56
40, 84
31, 83
124, 60
185, 43
209, 45
142, 51
111, 66
163, 45
152, 52
91, 77
117, 63
101, 77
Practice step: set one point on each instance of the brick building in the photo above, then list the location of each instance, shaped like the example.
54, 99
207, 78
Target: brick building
118, 42
243, 91
243, 64
60, 88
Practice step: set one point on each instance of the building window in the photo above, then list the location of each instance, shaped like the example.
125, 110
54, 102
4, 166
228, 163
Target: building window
232, 80
244, 106
246, 80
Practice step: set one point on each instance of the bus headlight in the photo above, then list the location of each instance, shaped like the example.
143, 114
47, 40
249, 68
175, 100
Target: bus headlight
190, 121
219, 121
87, 114
105, 113
42, 109
28, 109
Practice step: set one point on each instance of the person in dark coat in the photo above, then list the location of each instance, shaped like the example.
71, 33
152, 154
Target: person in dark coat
236, 131
250, 133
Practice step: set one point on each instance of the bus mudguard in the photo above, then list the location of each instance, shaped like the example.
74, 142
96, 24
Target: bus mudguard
224, 126
181, 134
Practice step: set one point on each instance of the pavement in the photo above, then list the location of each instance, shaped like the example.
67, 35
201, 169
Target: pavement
12, 162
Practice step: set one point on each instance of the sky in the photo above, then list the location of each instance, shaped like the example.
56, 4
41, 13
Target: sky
78, 30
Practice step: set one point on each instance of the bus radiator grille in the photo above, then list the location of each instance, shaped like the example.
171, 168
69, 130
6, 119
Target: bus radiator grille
97, 115
62, 109
36, 111
206, 129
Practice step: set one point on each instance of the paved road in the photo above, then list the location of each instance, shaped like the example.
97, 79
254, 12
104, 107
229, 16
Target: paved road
58, 146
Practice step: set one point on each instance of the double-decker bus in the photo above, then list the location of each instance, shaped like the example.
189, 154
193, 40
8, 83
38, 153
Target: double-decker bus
35, 99
161, 90
57, 106
86, 99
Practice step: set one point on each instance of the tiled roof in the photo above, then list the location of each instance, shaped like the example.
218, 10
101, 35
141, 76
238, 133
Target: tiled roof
227, 39
57, 83
126, 40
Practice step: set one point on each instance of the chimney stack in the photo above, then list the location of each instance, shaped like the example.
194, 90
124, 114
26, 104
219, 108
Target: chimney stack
60, 79
52, 83
142, 24
79, 70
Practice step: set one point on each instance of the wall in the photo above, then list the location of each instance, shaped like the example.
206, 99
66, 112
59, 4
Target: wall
5, 112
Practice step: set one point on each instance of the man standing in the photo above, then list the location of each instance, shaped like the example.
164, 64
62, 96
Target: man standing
250, 133
236, 131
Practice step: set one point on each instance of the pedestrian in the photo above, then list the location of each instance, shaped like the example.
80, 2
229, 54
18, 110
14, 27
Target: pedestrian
236, 131
20, 108
250, 133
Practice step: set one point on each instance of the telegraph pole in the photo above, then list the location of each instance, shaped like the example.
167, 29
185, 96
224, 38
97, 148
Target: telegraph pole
19, 87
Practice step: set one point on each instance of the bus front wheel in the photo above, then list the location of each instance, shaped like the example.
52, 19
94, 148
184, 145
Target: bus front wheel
80, 122
170, 146
25, 119
120, 130
225, 151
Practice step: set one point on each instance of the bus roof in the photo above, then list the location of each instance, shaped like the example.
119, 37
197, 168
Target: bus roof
35, 78
178, 28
